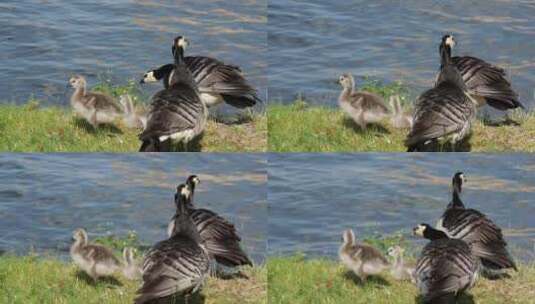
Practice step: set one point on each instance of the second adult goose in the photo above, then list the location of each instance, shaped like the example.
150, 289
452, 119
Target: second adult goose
476, 229
486, 82
176, 114
96, 260
178, 265
96, 108
446, 267
217, 234
445, 112
217, 82
362, 259
363, 107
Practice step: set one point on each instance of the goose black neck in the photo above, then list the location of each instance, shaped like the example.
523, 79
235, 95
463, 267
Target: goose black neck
184, 225
178, 53
456, 195
434, 234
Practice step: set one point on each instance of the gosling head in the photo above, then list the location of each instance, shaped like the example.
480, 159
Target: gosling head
149, 77
80, 236
128, 255
77, 81
179, 43
449, 40
346, 81
395, 251
348, 237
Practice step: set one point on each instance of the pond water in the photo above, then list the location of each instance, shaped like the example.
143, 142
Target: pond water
44, 197
314, 197
45, 42
312, 42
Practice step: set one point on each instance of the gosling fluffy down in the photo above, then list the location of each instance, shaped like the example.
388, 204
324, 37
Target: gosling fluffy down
362, 259
96, 108
95, 260
363, 107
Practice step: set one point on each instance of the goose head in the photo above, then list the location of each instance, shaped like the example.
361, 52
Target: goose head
77, 82
428, 232
193, 181
448, 40
346, 81
180, 43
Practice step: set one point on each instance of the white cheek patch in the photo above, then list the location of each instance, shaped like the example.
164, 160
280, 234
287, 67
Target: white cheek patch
149, 77
183, 43
450, 41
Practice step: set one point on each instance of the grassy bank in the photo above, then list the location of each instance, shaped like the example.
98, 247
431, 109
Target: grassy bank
32, 279
33, 128
298, 127
297, 280
46, 280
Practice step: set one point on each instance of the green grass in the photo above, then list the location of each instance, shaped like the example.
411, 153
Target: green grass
32, 279
33, 128
297, 280
298, 127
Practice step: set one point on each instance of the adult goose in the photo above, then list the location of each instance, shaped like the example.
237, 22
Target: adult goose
446, 267
176, 114
218, 82
363, 107
217, 234
486, 82
179, 265
96, 108
473, 227
443, 113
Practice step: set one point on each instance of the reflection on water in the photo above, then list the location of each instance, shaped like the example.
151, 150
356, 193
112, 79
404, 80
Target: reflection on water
45, 42
313, 197
316, 41
43, 197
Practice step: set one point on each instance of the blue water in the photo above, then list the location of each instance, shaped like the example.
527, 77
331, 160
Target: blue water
314, 197
44, 197
45, 42
312, 42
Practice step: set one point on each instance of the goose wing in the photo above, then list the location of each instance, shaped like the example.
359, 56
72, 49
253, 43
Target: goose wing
439, 112
488, 81
176, 265
220, 238
173, 110
213, 76
484, 236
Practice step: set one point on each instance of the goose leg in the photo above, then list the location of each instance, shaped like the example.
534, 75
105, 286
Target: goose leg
360, 120
93, 272
93, 119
